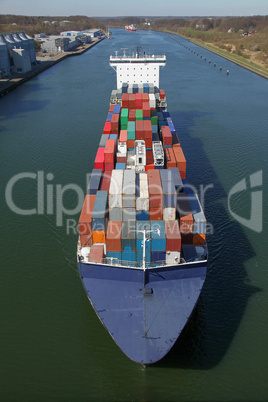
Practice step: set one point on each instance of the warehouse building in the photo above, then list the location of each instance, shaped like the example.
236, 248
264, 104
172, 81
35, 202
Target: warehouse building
17, 53
66, 41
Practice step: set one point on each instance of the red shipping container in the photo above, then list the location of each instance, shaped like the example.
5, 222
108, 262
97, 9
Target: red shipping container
162, 94
105, 182
139, 131
146, 109
155, 214
166, 135
180, 158
96, 253
85, 240
107, 128
149, 157
148, 167
148, 131
145, 97
109, 151
186, 224
149, 160
84, 224
148, 142
132, 115
123, 136
109, 166
173, 236
199, 239
111, 109
170, 160
131, 101
155, 189
99, 159
125, 101
121, 159
115, 124
130, 144
138, 97
113, 236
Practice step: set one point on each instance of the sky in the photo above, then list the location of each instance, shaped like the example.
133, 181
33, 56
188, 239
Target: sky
113, 8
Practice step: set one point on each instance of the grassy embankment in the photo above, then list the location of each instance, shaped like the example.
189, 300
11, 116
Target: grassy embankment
250, 52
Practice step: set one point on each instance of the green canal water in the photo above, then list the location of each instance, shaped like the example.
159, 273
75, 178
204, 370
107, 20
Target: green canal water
52, 345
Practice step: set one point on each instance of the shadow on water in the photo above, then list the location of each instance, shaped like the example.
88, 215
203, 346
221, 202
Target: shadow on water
208, 334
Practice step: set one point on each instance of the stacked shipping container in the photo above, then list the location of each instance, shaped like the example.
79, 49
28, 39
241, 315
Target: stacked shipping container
128, 193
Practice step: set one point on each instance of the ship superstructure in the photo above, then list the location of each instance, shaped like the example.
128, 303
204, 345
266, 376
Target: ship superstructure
142, 253
137, 68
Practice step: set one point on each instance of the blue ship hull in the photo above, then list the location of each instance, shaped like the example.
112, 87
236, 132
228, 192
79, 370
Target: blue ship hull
144, 311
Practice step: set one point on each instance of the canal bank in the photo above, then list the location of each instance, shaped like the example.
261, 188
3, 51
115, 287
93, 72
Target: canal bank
254, 68
43, 63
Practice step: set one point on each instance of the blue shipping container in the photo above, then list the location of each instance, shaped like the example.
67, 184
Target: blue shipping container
158, 256
114, 254
94, 181
117, 109
129, 256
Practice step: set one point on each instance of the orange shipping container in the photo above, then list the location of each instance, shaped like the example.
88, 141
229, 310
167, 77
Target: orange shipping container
98, 236
180, 158
170, 159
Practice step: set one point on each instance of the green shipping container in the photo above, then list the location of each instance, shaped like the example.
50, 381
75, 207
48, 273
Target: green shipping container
139, 114
124, 113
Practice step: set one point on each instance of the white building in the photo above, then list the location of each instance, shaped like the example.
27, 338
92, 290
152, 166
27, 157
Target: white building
17, 53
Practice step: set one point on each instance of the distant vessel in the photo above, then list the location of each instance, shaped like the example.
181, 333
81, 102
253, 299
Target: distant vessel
141, 253
131, 27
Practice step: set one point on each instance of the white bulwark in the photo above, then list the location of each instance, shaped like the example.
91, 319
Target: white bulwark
137, 68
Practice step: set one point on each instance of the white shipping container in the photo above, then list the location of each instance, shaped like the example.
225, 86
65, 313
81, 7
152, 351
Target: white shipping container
129, 180
173, 257
142, 200
115, 201
142, 204
122, 148
169, 214
116, 181
152, 101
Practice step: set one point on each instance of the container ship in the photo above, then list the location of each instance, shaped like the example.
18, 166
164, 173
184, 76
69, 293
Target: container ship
131, 27
142, 253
